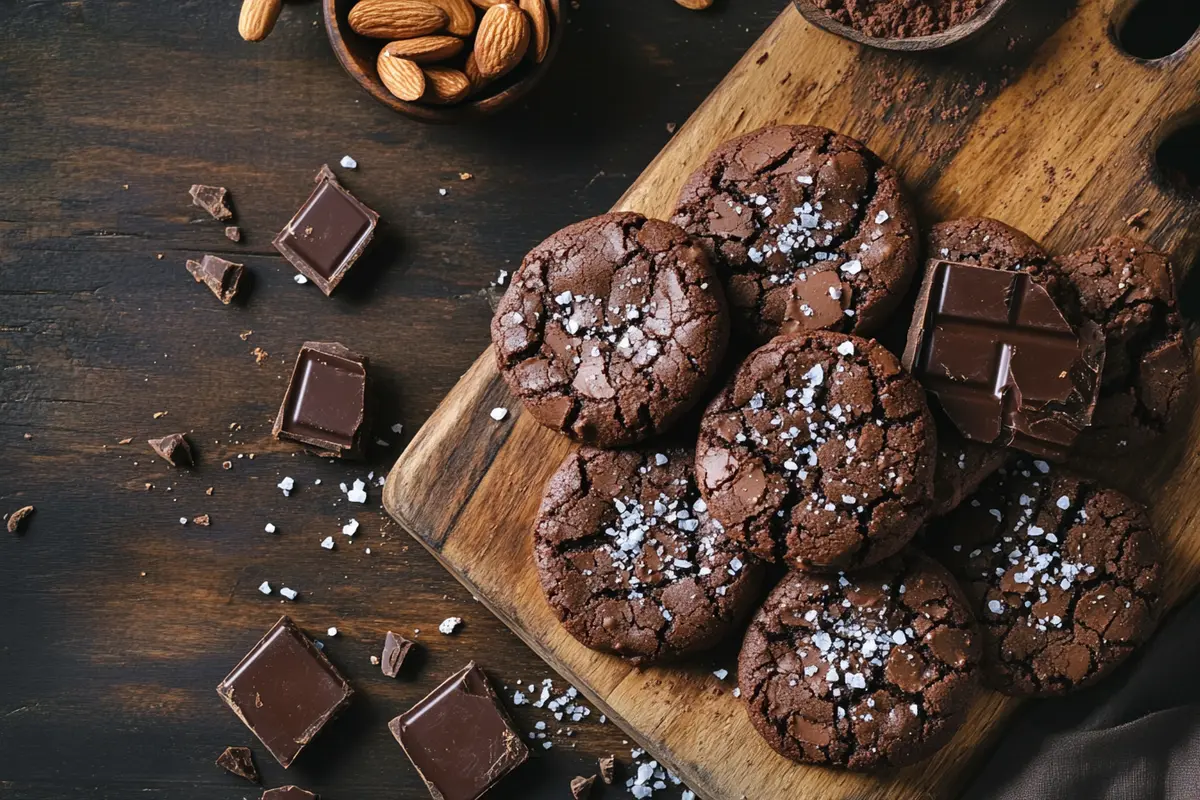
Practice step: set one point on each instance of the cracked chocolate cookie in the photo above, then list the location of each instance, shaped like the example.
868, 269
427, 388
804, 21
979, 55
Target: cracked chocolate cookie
873, 669
630, 560
611, 328
1063, 575
1129, 291
820, 452
808, 230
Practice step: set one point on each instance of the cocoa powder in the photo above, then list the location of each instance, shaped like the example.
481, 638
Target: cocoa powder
901, 19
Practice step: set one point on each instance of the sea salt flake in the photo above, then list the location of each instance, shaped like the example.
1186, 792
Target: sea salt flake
498, 413
264, 587
449, 625
290, 594
348, 163
357, 493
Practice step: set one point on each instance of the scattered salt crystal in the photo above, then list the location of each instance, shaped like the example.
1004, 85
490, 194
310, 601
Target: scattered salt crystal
183, 520
660, 459
350, 528
358, 493
270, 528
1064, 502
348, 163
300, 279
327, 543
264, 587
881, 217
290, 594
721, 674
449, 625
398, 428
286, 485
846, 348
995, 606
498, 413
442, 192
332, 632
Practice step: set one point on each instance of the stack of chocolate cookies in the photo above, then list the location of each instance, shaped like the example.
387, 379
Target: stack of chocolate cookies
926, 504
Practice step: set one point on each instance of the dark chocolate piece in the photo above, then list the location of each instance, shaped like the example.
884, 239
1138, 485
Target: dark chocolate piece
395, 650
288, 793
16, 520
328, 233
581, 787
174, 449
212, 200
285, 690
221, 276
608, 766
1004, 363
240, 762
233, 233
459, 738
325, 403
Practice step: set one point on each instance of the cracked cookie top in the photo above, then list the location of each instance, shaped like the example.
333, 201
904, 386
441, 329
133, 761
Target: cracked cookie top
630, 560
872, 669
808, 229
820, 451
611, 328
1063, 575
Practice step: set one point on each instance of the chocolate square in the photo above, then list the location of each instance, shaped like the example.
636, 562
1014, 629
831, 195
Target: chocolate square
285, 690
328, 234
325, 403
459, 738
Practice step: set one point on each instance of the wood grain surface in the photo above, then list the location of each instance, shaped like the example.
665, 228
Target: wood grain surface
1043, 123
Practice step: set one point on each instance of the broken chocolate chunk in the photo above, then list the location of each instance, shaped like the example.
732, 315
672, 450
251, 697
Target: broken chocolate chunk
581, 787
233, 233
174, 449
239, 761
328, 233
16, 520
459, 738
395, 650
1003, 362
285, 691
608, 766
212, 200
324, 406
221, 276
288, 793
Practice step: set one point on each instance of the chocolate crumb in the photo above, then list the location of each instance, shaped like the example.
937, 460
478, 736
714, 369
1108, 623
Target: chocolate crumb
226, 465
16, 520
212, 200
126, 440
202, 520
222, 277
395, 650
159, 414
28, 436
244, 335
581, 787
260, 355
1136, 220
209, 491
608, 766
174, 449
239, 761
233, 233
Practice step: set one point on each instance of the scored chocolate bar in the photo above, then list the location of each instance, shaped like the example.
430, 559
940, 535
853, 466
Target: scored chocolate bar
1003, 362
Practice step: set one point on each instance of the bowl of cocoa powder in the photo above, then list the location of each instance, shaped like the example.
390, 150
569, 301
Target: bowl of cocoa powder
901, 24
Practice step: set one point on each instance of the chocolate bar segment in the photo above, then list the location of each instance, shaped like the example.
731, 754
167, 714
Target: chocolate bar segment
285, 690
222, 277
1005, 365
325, 403
459, 738
328, 233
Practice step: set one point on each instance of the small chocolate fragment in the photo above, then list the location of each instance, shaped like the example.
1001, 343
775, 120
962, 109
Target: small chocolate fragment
16, 520
239, 761
325, 403
395, 650
608, 766
212, 200
233, 233
221, 276
581, 787
288, 793
285, 691
1004, 363
174, 449
459, 738
328, 233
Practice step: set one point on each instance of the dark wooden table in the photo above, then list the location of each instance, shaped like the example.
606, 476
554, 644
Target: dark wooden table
116, 621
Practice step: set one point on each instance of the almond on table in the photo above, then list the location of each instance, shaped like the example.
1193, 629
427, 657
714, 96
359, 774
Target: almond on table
258, 18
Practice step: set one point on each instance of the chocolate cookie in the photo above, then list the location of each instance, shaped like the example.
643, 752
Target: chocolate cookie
820, 451
1063, 575
630, 560
808, 229
1129, 291
611, 328
874, 669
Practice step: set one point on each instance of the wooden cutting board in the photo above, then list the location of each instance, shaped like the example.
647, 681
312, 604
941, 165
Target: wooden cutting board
1045, 124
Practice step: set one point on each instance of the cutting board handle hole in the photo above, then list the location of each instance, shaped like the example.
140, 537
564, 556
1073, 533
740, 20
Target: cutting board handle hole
1177, 154
1154, 29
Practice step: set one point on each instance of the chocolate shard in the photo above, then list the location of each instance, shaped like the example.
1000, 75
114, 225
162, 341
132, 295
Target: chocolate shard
240, 762
288, 793
581, 787
324, 406
285, 691
174, 449
459, 738
395, 650
328, 234
221, 276
212, 200
233, 233
1003, 362
608, 766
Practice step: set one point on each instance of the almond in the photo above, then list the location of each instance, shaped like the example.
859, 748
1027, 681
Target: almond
425, 49
486, 4
539, 18
502, 40
258, 18
401, 76
461, 14
695, 5
472, 73
444, 85
396, 19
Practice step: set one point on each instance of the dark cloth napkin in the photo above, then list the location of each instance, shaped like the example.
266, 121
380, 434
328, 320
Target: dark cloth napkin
1135, 736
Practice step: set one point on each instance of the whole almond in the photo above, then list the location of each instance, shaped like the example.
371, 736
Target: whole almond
258, 18
695, 5
472, 72
401, 76
445, 86
486, 4
397, 19
461, 14
425, 49
539, 18
502, 39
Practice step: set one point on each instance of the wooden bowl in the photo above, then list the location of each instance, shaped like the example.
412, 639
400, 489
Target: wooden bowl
950, 36
357, 55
